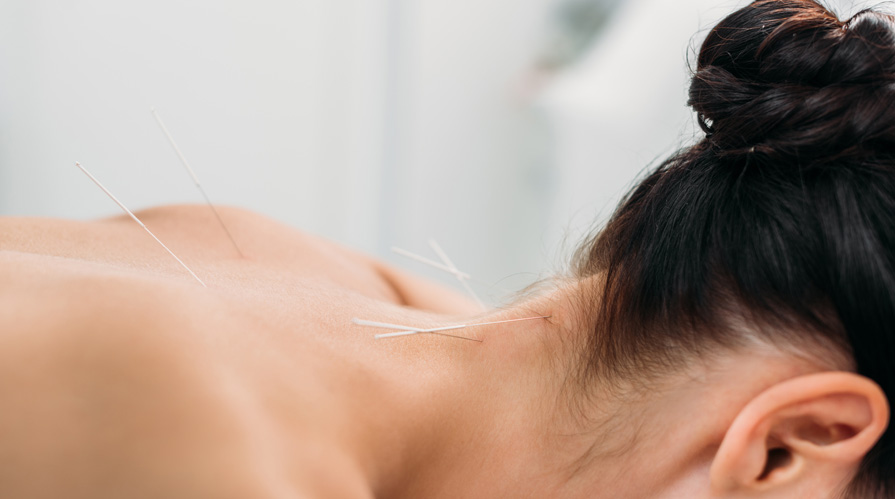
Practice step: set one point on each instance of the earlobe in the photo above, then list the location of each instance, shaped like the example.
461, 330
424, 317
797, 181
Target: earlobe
806, 433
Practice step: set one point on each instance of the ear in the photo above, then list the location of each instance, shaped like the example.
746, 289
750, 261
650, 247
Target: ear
803, 437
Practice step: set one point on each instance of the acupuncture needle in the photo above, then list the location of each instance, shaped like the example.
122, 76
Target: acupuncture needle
447, 266
426, 261
463, 278
410, 330
139, 222
195, 178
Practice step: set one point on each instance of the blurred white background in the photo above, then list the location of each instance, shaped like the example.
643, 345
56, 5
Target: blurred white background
505, 129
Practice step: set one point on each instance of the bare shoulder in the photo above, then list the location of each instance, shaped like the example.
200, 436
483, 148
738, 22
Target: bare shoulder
102, 398
309, 253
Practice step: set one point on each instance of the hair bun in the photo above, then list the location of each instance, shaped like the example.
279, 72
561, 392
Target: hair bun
786, 80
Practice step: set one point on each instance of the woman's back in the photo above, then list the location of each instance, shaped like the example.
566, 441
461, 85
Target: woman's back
123, 377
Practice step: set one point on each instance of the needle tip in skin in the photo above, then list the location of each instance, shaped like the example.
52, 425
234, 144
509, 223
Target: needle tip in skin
139, 222
195, 178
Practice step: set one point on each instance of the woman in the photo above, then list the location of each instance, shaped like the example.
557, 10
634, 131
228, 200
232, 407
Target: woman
730, 333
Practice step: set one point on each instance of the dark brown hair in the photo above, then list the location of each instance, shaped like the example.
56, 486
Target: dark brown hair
782, 217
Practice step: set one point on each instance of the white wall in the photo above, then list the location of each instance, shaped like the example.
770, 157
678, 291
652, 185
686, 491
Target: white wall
260, 98
622, 107
373, 122
467, 168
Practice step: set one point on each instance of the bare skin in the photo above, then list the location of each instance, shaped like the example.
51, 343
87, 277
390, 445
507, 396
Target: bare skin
121, 376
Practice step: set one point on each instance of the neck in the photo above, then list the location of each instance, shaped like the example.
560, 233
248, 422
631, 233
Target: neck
462, 419
450, 415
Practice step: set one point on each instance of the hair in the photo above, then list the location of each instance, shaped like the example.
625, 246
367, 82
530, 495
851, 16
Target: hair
782, 218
